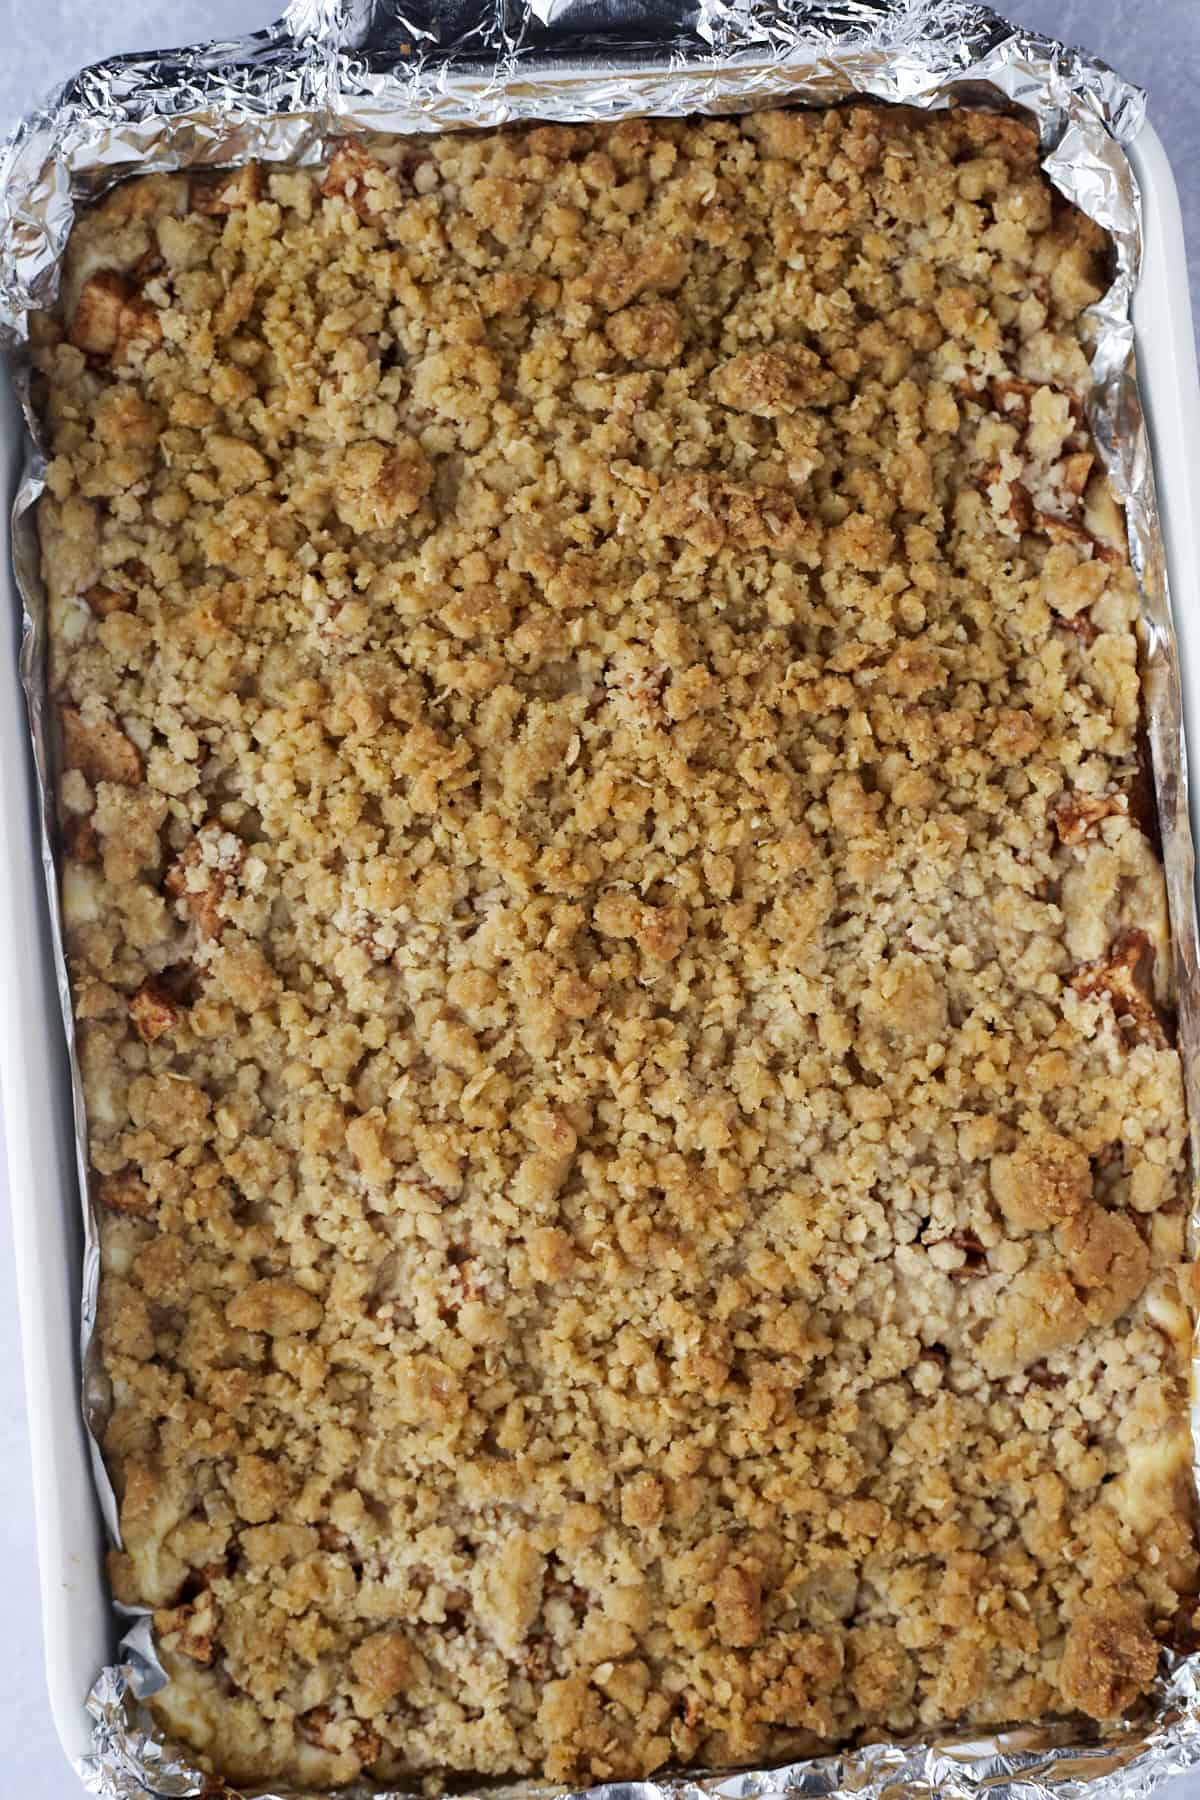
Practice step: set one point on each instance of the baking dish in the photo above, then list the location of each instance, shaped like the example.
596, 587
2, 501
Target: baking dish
33, 1068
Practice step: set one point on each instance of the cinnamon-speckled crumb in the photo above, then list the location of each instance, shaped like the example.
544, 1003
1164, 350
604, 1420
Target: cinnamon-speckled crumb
624, 1005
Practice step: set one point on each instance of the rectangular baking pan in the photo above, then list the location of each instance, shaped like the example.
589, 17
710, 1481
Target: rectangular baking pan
34, 1083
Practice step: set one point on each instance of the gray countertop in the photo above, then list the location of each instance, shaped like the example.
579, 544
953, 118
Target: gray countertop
1153, 42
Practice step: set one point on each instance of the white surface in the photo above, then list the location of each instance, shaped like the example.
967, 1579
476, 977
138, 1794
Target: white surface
42, 1167
1156, 42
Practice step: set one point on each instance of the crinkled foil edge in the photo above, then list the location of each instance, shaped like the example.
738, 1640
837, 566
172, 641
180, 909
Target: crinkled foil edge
331, 66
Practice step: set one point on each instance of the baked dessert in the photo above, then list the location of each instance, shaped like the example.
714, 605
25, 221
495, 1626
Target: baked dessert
621, 967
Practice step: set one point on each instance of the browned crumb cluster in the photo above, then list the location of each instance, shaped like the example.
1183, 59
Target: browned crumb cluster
622, 982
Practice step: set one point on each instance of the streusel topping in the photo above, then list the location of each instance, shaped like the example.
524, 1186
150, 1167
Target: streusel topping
621, 965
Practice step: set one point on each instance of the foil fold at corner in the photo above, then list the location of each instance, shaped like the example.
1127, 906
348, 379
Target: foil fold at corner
331, 66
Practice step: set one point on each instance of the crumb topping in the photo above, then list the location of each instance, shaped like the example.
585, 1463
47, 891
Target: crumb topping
623, 994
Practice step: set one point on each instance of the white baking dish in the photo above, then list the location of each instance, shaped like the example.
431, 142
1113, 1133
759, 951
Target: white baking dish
78, 1622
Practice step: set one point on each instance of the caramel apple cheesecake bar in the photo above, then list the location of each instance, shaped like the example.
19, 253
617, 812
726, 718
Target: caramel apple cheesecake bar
619, 955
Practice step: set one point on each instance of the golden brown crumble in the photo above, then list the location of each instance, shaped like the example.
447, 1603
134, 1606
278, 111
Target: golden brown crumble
624, 999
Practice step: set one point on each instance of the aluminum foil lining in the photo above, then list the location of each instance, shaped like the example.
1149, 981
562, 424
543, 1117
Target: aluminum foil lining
333, 66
